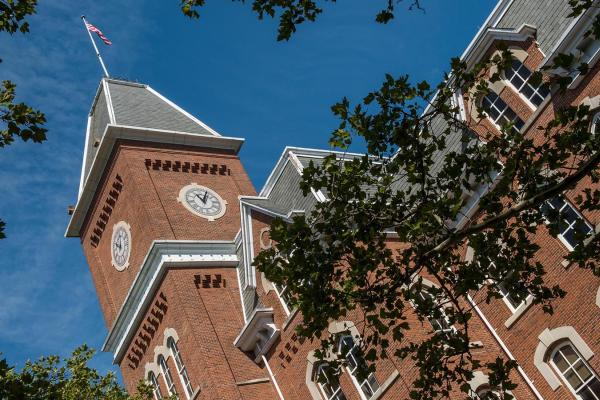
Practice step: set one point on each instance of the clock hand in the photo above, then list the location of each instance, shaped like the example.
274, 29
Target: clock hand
201, 199
205, 194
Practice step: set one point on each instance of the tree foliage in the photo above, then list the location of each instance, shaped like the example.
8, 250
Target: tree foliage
410, 185
13, 13
68, 379
295, 12
17, 119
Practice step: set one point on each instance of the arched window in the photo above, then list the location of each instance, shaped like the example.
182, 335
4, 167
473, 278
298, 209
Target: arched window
573, 369
183, 375
518, 76
500, 113
155, 386
595, 128
329, 386
486, 394
164, 367
351, 352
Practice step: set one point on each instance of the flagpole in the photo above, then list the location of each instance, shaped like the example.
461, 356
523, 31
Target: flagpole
95, 47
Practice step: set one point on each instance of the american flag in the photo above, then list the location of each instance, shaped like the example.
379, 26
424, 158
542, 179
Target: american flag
92, 28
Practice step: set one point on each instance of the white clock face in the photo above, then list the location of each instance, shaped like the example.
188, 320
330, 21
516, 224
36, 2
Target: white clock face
121, 245
202, 201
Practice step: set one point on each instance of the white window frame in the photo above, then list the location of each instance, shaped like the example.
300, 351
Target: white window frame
450, 328
338, 393
536, 90
166, 373
501, 112
484, 391
568, 203
155, 386
580, 359
181, 370
357, 360
508, 300
280, 293
595, 123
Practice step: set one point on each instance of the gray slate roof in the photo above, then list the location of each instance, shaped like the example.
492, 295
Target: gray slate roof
136, 105
548, 16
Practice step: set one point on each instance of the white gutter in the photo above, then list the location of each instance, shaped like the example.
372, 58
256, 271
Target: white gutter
505, 348
272, 378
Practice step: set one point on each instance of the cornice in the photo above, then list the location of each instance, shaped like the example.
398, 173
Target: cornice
163, 254
112, 133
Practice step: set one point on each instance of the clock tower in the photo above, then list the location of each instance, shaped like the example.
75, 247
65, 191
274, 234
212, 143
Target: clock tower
158, 217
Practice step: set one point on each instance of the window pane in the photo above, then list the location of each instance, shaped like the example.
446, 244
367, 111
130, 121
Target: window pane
373, 382
527, 91
582, 227
560, 362
524, 72
537, 99
557, 203
573, 379
493, 113
594, 387
569, 236
569, 214
570, 354
583, 371
517, 82
519, 123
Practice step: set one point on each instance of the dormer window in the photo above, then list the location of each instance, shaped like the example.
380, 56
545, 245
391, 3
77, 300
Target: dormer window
518, 76
500, 113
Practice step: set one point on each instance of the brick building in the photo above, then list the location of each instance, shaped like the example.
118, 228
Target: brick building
170, 223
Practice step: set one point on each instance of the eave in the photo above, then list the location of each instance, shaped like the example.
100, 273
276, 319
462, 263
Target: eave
162, 255
113, 133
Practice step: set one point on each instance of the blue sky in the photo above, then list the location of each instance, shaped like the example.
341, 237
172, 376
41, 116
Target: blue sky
228, 70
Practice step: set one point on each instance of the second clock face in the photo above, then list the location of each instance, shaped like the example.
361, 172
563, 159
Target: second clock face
202, 201
121, 245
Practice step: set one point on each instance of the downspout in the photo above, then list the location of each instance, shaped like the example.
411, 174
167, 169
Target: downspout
506, 350
272, 378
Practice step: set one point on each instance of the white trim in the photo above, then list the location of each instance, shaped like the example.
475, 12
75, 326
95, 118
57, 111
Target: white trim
492, 34
111, 110
181, 110
302, 152
548, 339
114, 132
85, 155
271, 213
247, 247
492, 20
187, 388
161, 256
249, 337
518, 312
490, 328
238, 244
598, 297
264, 359
562, 374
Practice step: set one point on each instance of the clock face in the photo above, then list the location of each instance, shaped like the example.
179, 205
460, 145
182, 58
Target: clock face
121, 245
202, 201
